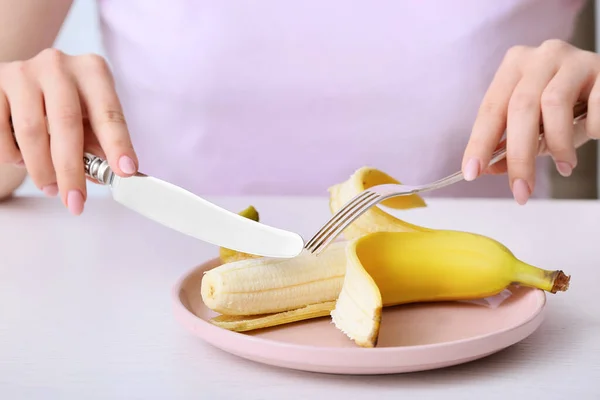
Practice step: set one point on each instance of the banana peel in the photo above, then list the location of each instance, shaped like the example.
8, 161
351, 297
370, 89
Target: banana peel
244, 323
375, 219
386, 269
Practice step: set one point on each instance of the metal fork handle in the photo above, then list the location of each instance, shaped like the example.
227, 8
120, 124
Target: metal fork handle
579, 113
498, 155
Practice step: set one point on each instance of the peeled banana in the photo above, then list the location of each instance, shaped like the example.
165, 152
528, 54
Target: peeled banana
382, 262
259, 286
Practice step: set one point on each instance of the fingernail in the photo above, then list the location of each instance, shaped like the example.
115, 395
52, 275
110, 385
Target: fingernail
564, 168
471, 169
50, 190
127, 165
521, 191
75, 202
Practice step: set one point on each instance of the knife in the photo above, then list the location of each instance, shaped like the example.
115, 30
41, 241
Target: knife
181, 210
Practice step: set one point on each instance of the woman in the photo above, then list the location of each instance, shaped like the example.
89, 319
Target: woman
288, 98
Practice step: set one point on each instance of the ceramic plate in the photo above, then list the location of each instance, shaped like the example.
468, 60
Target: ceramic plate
413, 337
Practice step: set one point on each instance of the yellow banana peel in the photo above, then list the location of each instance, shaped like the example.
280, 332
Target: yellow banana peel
392, 268
374, 219
243, 323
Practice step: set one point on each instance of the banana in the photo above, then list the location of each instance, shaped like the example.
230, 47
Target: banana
392, 268
383, 262
374, 219
257, 286
227, 255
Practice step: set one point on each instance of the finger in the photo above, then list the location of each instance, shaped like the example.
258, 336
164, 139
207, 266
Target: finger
580, 135
91, 144
498, 168
66, 133
490, 122
557, 102
9, 153
106, 114
523, 128
27, 110
592, 121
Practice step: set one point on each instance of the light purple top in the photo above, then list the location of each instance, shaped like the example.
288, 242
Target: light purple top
290, 97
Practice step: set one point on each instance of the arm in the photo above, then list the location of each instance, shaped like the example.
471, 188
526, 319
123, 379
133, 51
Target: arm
28, 27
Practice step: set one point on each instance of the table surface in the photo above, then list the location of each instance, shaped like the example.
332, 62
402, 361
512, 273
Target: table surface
85, 308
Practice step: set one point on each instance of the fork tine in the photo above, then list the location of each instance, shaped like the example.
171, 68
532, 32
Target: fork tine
345, 222
351, 203
344, 217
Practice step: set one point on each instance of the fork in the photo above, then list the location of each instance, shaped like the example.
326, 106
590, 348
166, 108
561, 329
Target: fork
372, 196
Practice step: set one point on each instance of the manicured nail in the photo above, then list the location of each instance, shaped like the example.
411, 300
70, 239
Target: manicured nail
75, 202
521, 191
127, 165
564, 168
50, 190
472, 169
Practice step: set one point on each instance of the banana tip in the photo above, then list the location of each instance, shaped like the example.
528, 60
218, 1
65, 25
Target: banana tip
561, 282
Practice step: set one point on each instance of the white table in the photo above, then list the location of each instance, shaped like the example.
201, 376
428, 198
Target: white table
85, 308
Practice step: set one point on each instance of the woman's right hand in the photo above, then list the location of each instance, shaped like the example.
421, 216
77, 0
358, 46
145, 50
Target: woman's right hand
61, 106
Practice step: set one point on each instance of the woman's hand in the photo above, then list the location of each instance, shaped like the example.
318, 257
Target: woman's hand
48, 97
533, 85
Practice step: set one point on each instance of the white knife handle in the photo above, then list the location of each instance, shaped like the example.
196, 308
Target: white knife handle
98, 169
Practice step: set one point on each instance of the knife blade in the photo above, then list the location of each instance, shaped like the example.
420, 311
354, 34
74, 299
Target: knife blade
183, 211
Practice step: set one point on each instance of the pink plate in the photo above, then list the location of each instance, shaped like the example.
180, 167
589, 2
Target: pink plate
413, 337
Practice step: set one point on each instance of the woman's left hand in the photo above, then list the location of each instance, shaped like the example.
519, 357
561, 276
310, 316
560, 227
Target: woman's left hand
532, 83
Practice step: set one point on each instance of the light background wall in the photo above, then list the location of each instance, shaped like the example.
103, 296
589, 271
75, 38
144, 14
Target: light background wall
81, 34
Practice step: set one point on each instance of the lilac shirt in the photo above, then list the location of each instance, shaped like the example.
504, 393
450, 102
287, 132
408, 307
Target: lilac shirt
290, 97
